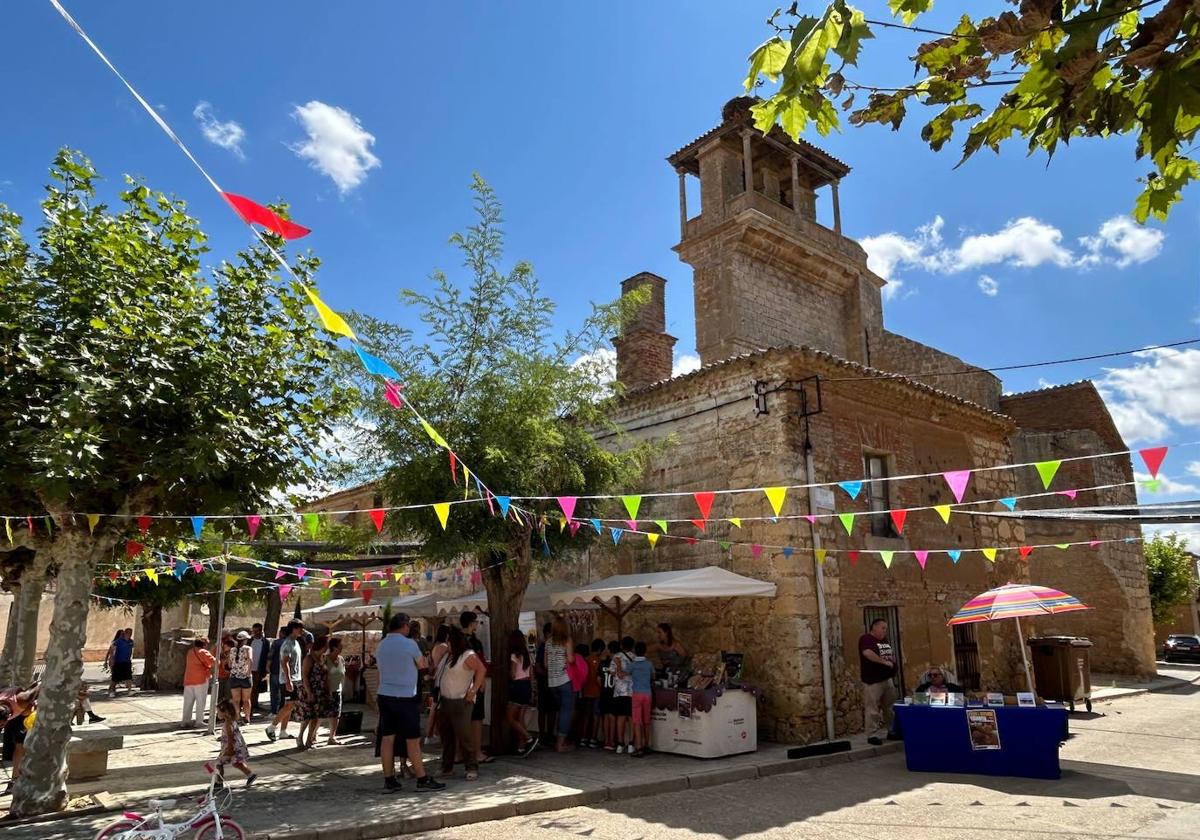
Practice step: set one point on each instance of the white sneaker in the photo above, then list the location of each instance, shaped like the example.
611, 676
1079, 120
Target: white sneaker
620, 749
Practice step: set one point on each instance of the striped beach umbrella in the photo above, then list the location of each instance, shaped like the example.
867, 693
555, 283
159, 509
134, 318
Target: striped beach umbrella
1016, 601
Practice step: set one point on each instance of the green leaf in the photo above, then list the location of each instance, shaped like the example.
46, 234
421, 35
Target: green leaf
854, 31
941, 128
909, 10
1127, 24
768, 60
98, 323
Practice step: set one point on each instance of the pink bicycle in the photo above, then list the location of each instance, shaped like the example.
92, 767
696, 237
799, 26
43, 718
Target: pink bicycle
209, 822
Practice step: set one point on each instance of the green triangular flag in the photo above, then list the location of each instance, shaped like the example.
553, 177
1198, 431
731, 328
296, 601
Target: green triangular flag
886, 557
847, 521
662, 524
632, 503
1063, 546
1047, 470
725, 545
312, 522
325, 594
1152, 484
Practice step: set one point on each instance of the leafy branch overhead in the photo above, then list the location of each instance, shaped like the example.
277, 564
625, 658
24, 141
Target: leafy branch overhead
1048, 72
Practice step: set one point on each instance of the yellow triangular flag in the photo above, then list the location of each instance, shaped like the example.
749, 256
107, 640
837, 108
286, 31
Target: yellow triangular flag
152, 575
736, 522
230, 580
92, 519
330, 319
442, 509
466, 482
944, 512
776, 496
397, 576
820, 552
8, 530
435, 437
652, 537
562, 524
989, 553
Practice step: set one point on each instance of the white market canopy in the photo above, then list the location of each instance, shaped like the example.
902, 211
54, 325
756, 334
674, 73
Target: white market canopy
353, 609
539, 597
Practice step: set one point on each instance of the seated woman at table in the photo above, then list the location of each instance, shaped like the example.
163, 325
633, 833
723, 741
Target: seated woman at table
673, 656
934, 680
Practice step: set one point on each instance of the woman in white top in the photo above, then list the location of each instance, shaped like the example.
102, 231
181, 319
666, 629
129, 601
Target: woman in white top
559, 655
460, 677
240, 675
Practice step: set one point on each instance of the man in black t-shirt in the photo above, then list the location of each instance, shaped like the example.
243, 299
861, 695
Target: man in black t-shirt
877, 666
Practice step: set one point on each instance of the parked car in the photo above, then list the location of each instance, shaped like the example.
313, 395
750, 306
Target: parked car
1180, 646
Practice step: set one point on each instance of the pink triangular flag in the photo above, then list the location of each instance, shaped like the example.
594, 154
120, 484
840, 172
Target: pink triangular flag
957, 479
567, 503
1093, 543
252, 523
280, 574
1153, 458
922, 557
285, 589
1070, 494
301, 571
574, 526
391, 393
197, 566
812, 520
632, 523
755, 550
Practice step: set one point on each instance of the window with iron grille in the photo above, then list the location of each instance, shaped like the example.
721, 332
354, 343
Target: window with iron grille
875, 467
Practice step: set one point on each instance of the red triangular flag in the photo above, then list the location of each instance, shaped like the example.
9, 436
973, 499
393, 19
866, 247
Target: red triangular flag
691, 540
852, 556
377, 517
143, 524
898, 517
133, 549
454, 467
704, 501
1025, 551
112, 574
367, 593
253, 213
1153, 458
355, 585
699, 523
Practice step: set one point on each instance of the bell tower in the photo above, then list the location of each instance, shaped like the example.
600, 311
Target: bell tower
766, 272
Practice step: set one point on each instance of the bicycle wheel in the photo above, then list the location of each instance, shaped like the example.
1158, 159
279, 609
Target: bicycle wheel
229, 831
113, 831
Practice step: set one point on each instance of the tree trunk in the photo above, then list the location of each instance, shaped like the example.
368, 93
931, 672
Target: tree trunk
505, 578
42, 785
274, 611
8, 658
151, 639
28, 606
214, 632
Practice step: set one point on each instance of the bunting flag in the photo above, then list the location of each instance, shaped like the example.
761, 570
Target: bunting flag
631, 524
886, 557
574, 528
1062, 546
756, 551
847, 521
776, 495
229, 580
922, 557
1070, 494
324, 595
377, 515
700, 524
1047, 470
852, 488
944, 512
197, 567
704, 501
954, 554
181, 568
616, 536
301, 572
504, 502
567, 503
957, 479
355, 585
1152, 485
735, 521
252, 523
820, 554
1009, 502
690, 540
132, 549
652, 538
466, 481
989, 553
812, 520
197, 525
852, 556
392, 393
453, 467
562, 525
1025, 551
662, 524
442, 509
375, 365
1093, 543
329, 319
1153, 458
632, 505
92, 519
788, 551
433, 434
898, 517
285, 589
113, 574
725, 545
279, 574
596, 524
151, 575
143, 523
313, 523
253, 213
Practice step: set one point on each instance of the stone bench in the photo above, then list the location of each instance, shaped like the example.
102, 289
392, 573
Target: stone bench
87, 752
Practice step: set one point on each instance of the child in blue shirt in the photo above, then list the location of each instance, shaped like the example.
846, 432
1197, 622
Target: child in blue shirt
642, 673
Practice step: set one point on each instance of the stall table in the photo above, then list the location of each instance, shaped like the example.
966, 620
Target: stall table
708, 723
938, 739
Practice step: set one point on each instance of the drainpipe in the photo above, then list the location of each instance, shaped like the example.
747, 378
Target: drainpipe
819, 583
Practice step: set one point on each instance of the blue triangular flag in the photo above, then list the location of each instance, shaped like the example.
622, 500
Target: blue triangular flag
374, 364
1009, 502
954, 554
852, 488
197, 525
545, 547
596, 524
429, 575
787, 552
478, 485
503, 501
616, 535
181, 568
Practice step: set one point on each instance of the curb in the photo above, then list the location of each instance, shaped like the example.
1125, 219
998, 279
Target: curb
614, 793
1121, 693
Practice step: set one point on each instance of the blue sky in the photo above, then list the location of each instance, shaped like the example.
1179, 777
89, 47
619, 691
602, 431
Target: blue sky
569, 110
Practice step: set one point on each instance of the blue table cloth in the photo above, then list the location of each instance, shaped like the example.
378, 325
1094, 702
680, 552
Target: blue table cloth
938, 740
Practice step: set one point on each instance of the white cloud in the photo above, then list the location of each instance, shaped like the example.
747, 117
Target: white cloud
1189, 531
601, 364
1044, 383
228, 135
1194, 468
1133, 243
337, 145
686, 363
892, 289
988, 286
1026, 242
1161, 389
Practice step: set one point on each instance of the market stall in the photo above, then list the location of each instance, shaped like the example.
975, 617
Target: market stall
708, 712
990, 733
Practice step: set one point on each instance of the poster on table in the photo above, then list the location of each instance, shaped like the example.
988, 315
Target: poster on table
684, 704
985, 731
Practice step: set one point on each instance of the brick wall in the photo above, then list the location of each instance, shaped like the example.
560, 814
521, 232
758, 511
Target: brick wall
896, 353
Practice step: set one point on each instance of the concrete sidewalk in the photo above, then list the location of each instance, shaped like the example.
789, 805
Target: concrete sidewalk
1171, 677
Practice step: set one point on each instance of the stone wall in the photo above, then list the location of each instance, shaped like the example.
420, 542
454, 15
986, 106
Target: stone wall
102, 626
894, 352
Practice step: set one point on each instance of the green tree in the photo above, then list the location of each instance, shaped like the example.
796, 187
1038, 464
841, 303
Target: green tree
1048, 72
133, 381
1171, 573
514, 407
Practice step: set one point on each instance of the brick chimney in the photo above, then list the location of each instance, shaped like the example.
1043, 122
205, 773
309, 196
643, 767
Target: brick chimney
644, 350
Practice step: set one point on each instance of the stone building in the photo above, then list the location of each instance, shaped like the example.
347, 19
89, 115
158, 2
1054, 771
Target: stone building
797, 365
